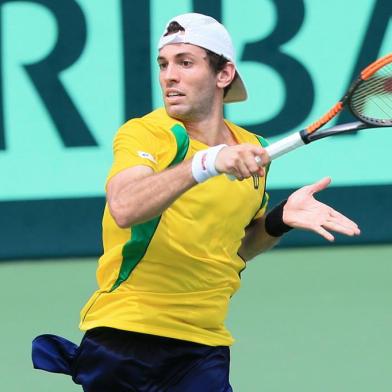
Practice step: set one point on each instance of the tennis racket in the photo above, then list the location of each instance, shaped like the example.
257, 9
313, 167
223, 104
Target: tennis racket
369, 99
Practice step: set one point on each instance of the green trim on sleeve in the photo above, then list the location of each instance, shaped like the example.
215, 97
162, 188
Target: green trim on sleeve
182, 139
141, 236
262, 141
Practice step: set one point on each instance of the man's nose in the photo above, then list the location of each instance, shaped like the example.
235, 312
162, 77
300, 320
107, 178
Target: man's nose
171, 73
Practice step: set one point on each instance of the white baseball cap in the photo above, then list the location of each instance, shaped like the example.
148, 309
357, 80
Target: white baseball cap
206, 32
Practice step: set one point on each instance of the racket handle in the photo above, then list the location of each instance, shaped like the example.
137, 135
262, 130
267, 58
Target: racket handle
284, 145
279, 148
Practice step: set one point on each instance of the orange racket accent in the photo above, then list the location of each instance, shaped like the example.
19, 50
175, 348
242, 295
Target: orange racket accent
374, 67
327, 116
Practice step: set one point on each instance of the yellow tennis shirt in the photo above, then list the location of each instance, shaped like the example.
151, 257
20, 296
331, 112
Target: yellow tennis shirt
174, 275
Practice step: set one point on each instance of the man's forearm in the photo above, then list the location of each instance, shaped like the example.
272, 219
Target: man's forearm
144, 198
256, 240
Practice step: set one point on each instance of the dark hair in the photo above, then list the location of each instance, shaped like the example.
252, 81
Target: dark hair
174, 27
216, 61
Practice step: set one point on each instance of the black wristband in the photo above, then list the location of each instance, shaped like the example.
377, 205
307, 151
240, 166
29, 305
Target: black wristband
274, 224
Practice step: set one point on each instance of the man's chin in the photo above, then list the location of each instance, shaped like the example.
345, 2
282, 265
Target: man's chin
176, 111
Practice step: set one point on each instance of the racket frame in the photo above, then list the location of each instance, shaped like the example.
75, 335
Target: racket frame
313, 132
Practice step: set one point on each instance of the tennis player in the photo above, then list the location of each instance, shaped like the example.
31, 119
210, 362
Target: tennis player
177, 230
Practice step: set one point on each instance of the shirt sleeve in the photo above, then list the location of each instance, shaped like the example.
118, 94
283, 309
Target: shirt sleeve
137, 144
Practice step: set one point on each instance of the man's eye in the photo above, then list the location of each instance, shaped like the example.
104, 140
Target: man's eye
186, 63
162, 65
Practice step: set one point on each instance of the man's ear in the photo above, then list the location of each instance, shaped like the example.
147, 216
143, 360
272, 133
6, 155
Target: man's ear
226, 75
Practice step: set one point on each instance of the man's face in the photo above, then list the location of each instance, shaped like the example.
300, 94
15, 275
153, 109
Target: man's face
188, 83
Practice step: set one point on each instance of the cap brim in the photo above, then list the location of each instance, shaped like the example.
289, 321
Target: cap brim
237, 92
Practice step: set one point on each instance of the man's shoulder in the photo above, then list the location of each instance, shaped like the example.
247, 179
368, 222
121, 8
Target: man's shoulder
156, 121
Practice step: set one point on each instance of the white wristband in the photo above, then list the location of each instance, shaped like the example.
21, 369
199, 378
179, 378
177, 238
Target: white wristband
203, 163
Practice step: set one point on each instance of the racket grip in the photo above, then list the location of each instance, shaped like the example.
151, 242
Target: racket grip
284, 145
232, 177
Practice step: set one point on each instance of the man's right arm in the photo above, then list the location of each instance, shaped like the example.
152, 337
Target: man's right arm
137, 194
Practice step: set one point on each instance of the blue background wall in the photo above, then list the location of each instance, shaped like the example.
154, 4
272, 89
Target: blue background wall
72, 72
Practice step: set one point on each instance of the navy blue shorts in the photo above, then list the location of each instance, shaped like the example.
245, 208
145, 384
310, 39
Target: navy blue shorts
110, 360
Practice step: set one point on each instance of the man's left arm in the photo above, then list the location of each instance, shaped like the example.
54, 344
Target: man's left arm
256, 240
300, 211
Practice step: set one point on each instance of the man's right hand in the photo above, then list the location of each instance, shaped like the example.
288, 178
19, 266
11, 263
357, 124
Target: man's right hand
242, 160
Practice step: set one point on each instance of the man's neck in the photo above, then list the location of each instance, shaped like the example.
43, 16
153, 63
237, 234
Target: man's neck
210, 131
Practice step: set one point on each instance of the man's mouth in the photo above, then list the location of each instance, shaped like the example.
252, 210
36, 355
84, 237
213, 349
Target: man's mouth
171, 94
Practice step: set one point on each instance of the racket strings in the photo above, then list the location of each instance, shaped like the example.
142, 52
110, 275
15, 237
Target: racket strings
378, 98
373, 97
376, 85
376, 106
381, 82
